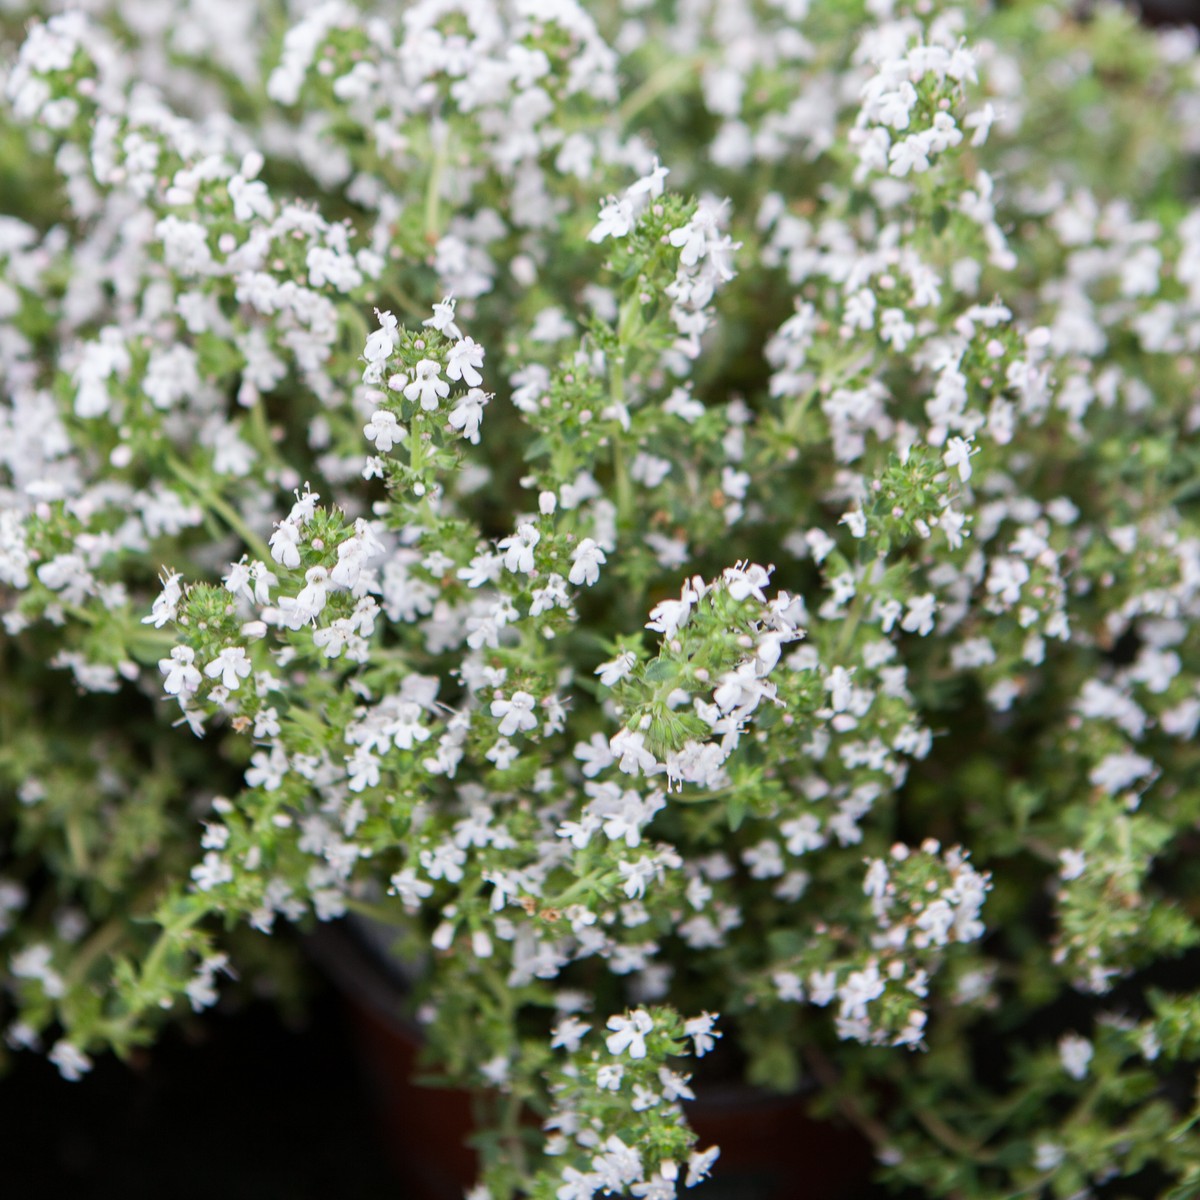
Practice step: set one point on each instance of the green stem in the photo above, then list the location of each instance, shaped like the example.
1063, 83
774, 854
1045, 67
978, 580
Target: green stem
433, 192
616, 384
624, 485
100, 943
219, 505
703, 797
116, 1029
405, 301
950, 1139
77, 844
82, 614
876, 1132
259, 429
165, 939
152, 640
578, 888
377, 912
664, 80
510, 1108
853, 618
794, 414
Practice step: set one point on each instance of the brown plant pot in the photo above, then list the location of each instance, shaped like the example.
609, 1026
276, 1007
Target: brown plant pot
771, 1149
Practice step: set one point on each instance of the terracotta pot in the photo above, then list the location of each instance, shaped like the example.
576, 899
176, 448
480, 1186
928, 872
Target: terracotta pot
771, 1149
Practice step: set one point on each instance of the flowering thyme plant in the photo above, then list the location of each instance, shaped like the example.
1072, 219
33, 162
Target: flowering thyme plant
685, 508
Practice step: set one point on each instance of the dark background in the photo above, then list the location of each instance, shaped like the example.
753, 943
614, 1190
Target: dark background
237, 1107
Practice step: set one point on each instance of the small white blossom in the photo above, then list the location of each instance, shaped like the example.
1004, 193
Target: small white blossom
182, 678
616, 220
586, 560
467, 414
629, 1033
958, 454
462, 361
611, 673
231, 665
384, 430
703, 1032
516, 713
518, 549
71, 1062
384, 340
1075, 1053
427, 385
700, 1163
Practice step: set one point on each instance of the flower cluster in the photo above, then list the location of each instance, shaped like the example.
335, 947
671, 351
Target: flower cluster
677, 509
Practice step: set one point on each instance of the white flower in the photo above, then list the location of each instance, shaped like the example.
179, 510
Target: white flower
410, 888
629, 749
1075, 1054
700, 1164
629, 1033
383, 341
1072, 864
311, 599
803, 834
856, 521
616, 220
1119, 771
636, 874
568, 1034
166, 602
944, 133
577, 1185
618, 1166
586, 560
909, 154
35, 962
981, 122
285, 544
427, 386
518, 549
657, 1187
464, 357
1047, 1156
893, 108
958, 454
859, 989
919, 618
615, 670
595, 755
692, 240
649, 186
444, 861
702, 1031
951, 524
212, 872
443, 318
667, 616
384, 430
467, 414
231, 665
609, 1076
182, 678
747, 581
515, 713
71, 1062
1005, 579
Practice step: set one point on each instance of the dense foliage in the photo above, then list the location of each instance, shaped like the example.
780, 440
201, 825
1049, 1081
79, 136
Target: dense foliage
680, 507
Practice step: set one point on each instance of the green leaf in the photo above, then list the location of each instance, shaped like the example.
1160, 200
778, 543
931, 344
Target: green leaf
736, 809
660, 670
